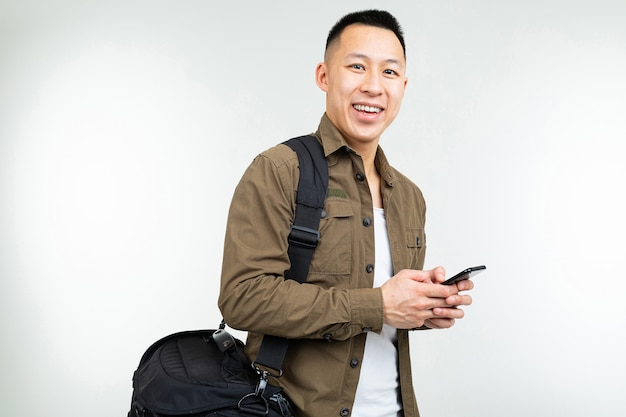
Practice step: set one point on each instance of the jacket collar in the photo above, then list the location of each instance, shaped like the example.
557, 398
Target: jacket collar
332, 141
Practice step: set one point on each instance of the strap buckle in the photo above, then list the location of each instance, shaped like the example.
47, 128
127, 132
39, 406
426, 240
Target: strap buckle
264, 373
304, 237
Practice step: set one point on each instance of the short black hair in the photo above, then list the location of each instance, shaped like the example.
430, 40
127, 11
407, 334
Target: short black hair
373, 17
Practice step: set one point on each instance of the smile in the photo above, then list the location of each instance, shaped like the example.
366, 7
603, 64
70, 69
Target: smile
367, 109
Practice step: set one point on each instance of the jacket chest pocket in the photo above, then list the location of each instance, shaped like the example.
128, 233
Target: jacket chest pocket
333, 255
416, 246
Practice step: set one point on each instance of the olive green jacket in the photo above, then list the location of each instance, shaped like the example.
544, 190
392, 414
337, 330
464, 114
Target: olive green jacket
327, 317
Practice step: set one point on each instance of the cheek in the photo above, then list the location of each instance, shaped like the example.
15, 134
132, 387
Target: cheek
338, 95
397, 92
395, 98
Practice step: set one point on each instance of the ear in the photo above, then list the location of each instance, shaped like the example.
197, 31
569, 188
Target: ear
321, 76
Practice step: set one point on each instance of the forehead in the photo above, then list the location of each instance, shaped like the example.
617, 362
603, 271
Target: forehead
370, 41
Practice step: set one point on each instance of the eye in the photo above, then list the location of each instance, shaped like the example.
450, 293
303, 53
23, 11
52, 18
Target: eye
390, 72
357, 67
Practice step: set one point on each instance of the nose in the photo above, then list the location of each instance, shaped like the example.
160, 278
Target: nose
372, 83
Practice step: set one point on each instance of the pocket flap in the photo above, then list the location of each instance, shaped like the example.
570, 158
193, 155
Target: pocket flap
415, 237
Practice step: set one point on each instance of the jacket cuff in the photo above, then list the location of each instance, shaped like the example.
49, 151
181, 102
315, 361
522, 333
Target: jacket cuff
366, 308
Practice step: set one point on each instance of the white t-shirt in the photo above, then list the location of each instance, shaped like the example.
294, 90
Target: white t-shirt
378, 391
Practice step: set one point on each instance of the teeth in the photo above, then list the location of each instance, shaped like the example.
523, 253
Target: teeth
367, 109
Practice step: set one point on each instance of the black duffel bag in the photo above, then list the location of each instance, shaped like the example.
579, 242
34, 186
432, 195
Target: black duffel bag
203, 373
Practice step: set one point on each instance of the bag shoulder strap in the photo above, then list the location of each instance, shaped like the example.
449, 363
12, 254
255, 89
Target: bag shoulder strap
310, 198
304, 235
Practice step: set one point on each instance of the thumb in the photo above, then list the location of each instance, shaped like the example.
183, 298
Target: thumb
438, 274
419, 276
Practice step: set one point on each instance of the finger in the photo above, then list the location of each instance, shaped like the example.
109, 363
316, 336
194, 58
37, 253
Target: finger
465, 285
441, 291
438, 274
448, 312
438, 323
459, 300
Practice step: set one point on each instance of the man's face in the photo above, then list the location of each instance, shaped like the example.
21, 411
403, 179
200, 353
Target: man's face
364, 79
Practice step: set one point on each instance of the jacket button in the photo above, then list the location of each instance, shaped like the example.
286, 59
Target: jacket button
344, 412
360, 176
367, 222
354, 363
323, 214
369, 268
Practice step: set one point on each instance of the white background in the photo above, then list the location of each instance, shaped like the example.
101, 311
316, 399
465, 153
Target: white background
124, 127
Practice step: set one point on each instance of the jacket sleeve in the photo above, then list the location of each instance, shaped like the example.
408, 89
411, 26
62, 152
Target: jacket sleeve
254, 296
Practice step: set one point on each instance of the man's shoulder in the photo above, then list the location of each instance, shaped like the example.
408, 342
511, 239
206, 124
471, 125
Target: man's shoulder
279, 155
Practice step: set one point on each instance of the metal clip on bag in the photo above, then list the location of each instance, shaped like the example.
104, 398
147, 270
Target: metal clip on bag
205, 373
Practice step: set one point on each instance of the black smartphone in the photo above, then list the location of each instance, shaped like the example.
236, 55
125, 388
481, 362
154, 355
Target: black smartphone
465, 274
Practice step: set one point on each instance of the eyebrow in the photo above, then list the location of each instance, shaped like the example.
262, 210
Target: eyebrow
363, 56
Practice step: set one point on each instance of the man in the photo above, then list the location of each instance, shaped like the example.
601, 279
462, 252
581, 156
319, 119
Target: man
348, 324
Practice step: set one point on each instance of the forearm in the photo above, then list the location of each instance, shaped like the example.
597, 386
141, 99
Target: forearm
271, 305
